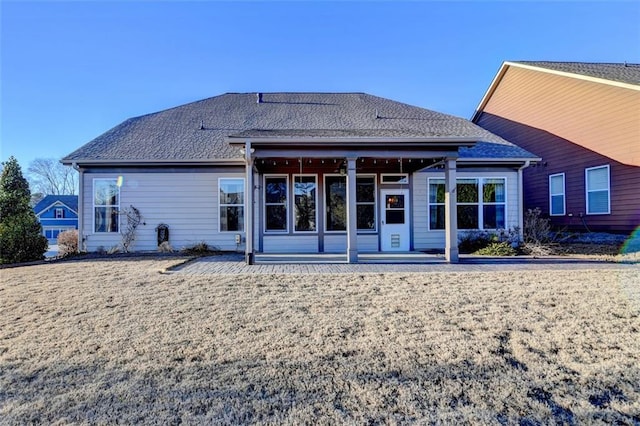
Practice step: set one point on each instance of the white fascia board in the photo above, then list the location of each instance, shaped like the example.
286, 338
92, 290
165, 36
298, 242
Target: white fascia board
352, 141
93, 162
492, 87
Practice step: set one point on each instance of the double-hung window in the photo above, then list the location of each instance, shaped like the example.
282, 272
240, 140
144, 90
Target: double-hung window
598, 190
275, 199
481, 203
305, 194
556, 195
335, 188
106, 205
231, 193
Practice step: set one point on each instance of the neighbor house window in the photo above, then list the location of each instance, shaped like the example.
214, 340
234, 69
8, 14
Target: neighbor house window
305, 192
598, 190
59, 213
481, 203
275, 203
336, 203
231, 193
106, 205
556, 195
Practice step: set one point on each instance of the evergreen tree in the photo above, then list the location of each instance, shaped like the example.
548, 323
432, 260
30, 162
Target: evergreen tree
21, 238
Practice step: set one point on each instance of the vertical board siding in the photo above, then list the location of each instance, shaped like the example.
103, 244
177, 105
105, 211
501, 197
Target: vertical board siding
186, 202
425, 239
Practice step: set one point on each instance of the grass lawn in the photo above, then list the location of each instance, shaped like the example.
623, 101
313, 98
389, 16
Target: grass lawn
105, 341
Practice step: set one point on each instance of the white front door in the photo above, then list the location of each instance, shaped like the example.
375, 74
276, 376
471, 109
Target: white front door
395, 231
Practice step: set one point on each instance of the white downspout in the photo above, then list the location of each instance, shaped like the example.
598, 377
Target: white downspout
81, 247
526, 164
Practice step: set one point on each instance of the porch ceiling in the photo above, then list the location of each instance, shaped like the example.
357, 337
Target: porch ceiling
330, 165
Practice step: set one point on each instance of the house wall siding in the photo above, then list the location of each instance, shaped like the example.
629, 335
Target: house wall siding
426, 239
599, 117
186, 202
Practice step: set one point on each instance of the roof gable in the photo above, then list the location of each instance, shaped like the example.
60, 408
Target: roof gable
198, 131
69, 201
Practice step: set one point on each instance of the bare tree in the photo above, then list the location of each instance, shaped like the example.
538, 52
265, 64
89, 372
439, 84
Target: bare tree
49, 177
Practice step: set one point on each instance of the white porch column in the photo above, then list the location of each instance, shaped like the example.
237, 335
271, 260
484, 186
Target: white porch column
352, 218
451, 212
248, 205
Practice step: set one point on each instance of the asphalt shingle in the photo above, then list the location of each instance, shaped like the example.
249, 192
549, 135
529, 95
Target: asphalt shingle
621, 72
198, 131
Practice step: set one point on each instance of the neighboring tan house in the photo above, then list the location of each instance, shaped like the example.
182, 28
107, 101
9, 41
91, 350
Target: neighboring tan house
583, 120
57, 213
299, 173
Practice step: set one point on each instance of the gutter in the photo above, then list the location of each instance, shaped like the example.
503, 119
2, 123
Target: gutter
521, 197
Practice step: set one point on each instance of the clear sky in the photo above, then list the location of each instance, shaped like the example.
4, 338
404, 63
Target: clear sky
72, 70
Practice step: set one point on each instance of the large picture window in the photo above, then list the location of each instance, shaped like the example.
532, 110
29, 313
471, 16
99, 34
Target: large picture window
106, 205
305, 191
275, 199
231, 205
598, 191
556, 195
336, 203
481, 203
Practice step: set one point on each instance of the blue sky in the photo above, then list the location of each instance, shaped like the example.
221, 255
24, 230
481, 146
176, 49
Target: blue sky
72, 70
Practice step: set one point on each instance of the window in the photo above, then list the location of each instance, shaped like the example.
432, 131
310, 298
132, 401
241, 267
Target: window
231, 192
304, 192
59, 213
366, 203
336, 203
598, 192
556, 195
275, 199
106, 205
474, 211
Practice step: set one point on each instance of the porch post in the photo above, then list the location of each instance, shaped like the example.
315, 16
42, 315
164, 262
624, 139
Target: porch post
451, 213
248, 209
352, 218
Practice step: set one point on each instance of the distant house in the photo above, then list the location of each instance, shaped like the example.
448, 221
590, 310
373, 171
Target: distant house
57, 213
583, 120
299, 173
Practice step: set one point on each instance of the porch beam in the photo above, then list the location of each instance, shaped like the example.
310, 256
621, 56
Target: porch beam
352, 219
451, 212
337, 153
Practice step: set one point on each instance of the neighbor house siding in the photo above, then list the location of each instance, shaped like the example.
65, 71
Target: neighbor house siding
563, 156
185, 201
426, 239
572, 124
599, 117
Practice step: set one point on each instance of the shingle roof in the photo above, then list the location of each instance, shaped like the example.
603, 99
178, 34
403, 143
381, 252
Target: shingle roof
198, 131
70, 201
622, 72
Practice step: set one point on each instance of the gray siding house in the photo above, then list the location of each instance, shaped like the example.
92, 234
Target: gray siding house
299, 173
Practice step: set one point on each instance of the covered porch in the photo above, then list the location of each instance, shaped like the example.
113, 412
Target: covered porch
321, 161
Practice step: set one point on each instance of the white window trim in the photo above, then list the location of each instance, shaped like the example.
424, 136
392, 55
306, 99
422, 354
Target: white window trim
55, 213
220, 204
403, 181
480, 203
293, 202
287, 205
587, 191
563, 193
93, 203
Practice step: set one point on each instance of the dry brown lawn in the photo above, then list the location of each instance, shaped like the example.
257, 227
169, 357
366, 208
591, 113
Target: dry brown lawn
106, 341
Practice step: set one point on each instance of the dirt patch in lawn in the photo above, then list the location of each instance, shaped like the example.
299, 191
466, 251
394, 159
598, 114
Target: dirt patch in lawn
100, 341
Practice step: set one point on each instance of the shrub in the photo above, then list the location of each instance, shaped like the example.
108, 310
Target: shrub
472, 241
502, 248
68, 242
165, 247
537, 230
129, 233
199, 249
